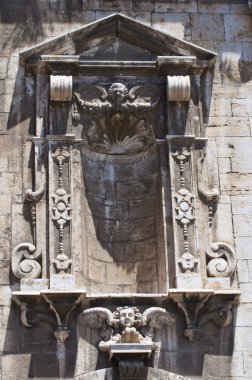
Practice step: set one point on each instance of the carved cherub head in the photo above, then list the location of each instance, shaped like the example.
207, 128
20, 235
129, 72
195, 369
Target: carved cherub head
118, 91
127, 316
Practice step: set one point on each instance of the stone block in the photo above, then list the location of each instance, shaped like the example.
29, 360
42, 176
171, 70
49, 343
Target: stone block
143, 17
241, 107
243, 245
97, 270
21, 364
247, 354
147, 271
224, 165
221, 365
228, 126
213, 7
242, 271
240, 165
250, 269
218, 283
242, 204
246, 293
176, 6
243, 316
238, 27
189, 281
90, 5
238, 147
177, 25
220, 107
5, 272
233, 183
224, 226
140, 251
143, 5
141, 229
101, 252
33, 285
62, 282
141, 208
207, 27
242, 225
5, 295
3, 67
124, 274
239, 7
5, 245
136, 189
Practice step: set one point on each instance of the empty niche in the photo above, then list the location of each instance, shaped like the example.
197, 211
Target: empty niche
121, 175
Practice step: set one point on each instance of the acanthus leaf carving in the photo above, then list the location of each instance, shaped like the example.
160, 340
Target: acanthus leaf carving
221, 260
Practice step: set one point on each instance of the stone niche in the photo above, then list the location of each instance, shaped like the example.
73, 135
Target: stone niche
124, 199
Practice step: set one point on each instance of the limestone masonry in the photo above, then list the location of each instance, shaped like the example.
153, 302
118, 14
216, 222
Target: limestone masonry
126, 189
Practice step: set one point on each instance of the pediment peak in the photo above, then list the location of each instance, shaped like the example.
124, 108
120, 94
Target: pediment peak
121, 28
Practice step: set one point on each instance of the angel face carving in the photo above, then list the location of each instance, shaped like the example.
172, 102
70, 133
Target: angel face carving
127, 316
117, 120
117, 92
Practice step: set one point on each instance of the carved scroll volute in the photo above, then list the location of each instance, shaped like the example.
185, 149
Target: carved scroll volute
28, 259
61, 87
178, 88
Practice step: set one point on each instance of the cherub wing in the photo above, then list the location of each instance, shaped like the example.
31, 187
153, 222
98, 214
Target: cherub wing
143, 97
156, 317
91, 99
97, 316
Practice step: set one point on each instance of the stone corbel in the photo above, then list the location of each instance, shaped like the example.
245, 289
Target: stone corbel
129, 335
59, 323
196, 312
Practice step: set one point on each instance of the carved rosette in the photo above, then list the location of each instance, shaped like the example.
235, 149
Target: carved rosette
184, 211
118, 118
61, 210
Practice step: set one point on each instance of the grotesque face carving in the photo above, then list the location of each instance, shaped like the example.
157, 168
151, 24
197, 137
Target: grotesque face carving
117, 92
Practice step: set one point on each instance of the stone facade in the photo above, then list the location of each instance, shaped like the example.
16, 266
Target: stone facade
125, 189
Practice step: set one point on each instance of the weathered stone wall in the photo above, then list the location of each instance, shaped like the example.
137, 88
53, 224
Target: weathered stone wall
221, 26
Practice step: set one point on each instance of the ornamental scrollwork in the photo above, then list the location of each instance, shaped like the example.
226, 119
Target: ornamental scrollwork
61, 210
221, 260
118, 118
24, 261
184, 211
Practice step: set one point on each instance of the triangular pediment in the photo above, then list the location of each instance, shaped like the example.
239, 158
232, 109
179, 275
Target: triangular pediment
120, 33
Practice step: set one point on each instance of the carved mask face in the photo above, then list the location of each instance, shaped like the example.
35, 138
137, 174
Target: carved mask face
117, 92
127, 317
